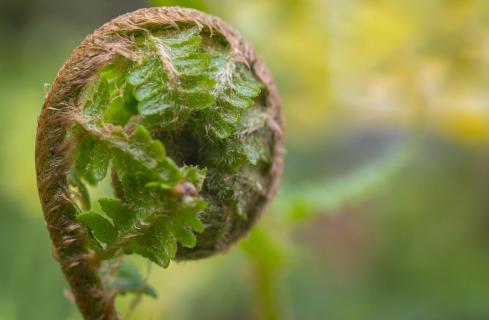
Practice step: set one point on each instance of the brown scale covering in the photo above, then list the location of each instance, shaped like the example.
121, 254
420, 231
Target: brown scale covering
52, 150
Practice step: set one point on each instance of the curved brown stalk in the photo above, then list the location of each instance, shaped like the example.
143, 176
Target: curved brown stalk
53, 162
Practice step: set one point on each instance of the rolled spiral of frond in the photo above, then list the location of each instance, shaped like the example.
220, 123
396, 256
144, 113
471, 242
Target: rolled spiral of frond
175, 109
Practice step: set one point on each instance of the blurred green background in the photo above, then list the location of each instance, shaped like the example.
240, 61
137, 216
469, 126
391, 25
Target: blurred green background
384, 210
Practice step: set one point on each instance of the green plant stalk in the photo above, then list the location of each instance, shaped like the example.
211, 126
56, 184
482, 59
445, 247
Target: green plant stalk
266, 257
269, 252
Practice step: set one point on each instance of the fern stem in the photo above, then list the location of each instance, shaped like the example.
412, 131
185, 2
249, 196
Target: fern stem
68, 237
54, 151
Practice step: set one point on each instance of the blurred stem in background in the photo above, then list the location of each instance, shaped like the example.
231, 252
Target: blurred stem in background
266, 258
269, 244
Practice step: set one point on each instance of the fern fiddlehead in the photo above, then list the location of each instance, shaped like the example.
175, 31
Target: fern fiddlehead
177, 111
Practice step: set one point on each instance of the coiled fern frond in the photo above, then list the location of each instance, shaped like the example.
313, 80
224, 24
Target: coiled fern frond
175, 108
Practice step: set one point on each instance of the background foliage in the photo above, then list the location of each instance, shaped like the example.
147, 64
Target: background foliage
383, 213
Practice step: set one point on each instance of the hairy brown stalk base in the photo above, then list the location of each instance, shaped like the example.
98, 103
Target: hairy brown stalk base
69, 239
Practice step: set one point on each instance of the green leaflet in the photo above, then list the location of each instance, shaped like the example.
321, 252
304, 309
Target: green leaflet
220, 128
142, 143
252, 153
153, 236
102, 229
243, 145
95, 107
123, 217
92, 161
235, 90
80, 190
98, 146
128, 280
158, 241
172, 81
122, 104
